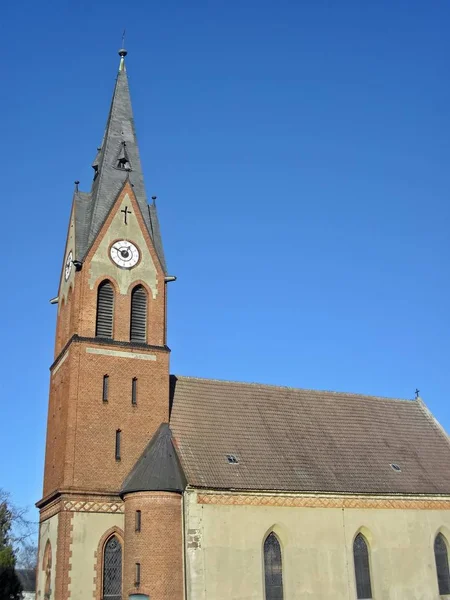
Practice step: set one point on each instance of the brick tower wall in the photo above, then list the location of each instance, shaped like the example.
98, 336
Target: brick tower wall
81, 429
158, 547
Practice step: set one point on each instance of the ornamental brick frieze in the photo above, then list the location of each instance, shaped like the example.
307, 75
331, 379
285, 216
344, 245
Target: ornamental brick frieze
77, 504
414, 503
95, 507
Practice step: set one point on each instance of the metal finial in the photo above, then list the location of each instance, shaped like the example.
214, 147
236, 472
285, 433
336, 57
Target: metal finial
76, 185
122, 53
417, 392
154, 198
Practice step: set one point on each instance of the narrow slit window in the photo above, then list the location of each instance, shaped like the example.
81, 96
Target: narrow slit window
138, 321
105, 388
134, 391
118, 443
442, 568
362, 568
105, 310
138, 575
138, 521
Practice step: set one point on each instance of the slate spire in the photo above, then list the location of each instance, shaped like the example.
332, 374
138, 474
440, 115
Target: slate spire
116, 161
158, 469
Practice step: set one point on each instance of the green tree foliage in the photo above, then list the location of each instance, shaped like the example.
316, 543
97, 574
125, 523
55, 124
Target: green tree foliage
10, 588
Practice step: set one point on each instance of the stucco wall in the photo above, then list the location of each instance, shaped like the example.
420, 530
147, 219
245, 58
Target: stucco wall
101, 264
48, 531
224, 550
88, 529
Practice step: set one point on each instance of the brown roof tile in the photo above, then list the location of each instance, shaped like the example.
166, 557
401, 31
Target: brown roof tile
303, 440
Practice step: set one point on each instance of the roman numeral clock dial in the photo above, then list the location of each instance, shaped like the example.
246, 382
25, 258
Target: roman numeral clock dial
124, 254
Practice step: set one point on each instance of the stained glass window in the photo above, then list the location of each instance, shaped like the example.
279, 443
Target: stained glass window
273, 574
441, 557
362, 568
112, 570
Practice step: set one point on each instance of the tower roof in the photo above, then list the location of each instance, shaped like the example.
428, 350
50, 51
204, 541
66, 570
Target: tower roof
158, 469
117, 160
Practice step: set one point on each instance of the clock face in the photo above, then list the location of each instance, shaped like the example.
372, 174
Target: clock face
124, 254
68, 265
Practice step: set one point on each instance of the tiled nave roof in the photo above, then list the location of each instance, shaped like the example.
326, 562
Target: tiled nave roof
302, 440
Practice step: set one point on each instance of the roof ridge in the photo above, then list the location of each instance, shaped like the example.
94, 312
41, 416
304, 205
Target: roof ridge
286, 387
432, 419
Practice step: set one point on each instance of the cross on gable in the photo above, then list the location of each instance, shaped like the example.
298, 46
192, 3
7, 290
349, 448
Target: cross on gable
125, 212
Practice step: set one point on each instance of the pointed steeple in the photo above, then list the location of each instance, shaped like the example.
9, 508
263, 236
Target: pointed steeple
116, 161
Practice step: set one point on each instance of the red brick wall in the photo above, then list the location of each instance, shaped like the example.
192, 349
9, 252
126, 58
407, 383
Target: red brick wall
57, 424
80, 451
63, 555
158, 547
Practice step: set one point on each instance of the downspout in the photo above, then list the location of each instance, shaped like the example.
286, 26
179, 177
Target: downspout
183, 521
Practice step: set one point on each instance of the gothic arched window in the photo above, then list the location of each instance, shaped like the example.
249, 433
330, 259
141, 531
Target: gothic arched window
273, 570
441, 557
105, 310
47, 568
362, 568
138, 321
112, 569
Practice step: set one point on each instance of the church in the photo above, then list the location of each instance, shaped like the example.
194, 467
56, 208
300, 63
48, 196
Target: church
164, 487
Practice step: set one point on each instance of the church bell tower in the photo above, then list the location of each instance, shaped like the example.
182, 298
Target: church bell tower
109, 382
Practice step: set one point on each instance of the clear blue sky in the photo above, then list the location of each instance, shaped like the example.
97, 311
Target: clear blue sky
300, 154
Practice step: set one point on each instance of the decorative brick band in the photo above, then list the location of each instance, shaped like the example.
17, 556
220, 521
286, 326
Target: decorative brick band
50, 510
106, 342
77, 503
63, 358
95, 507
120, 354
413, 503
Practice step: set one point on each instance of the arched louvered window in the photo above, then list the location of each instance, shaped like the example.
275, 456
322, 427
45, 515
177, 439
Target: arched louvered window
138, 325
441, 557
362, 568
273, 570
112, 569
105, 310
